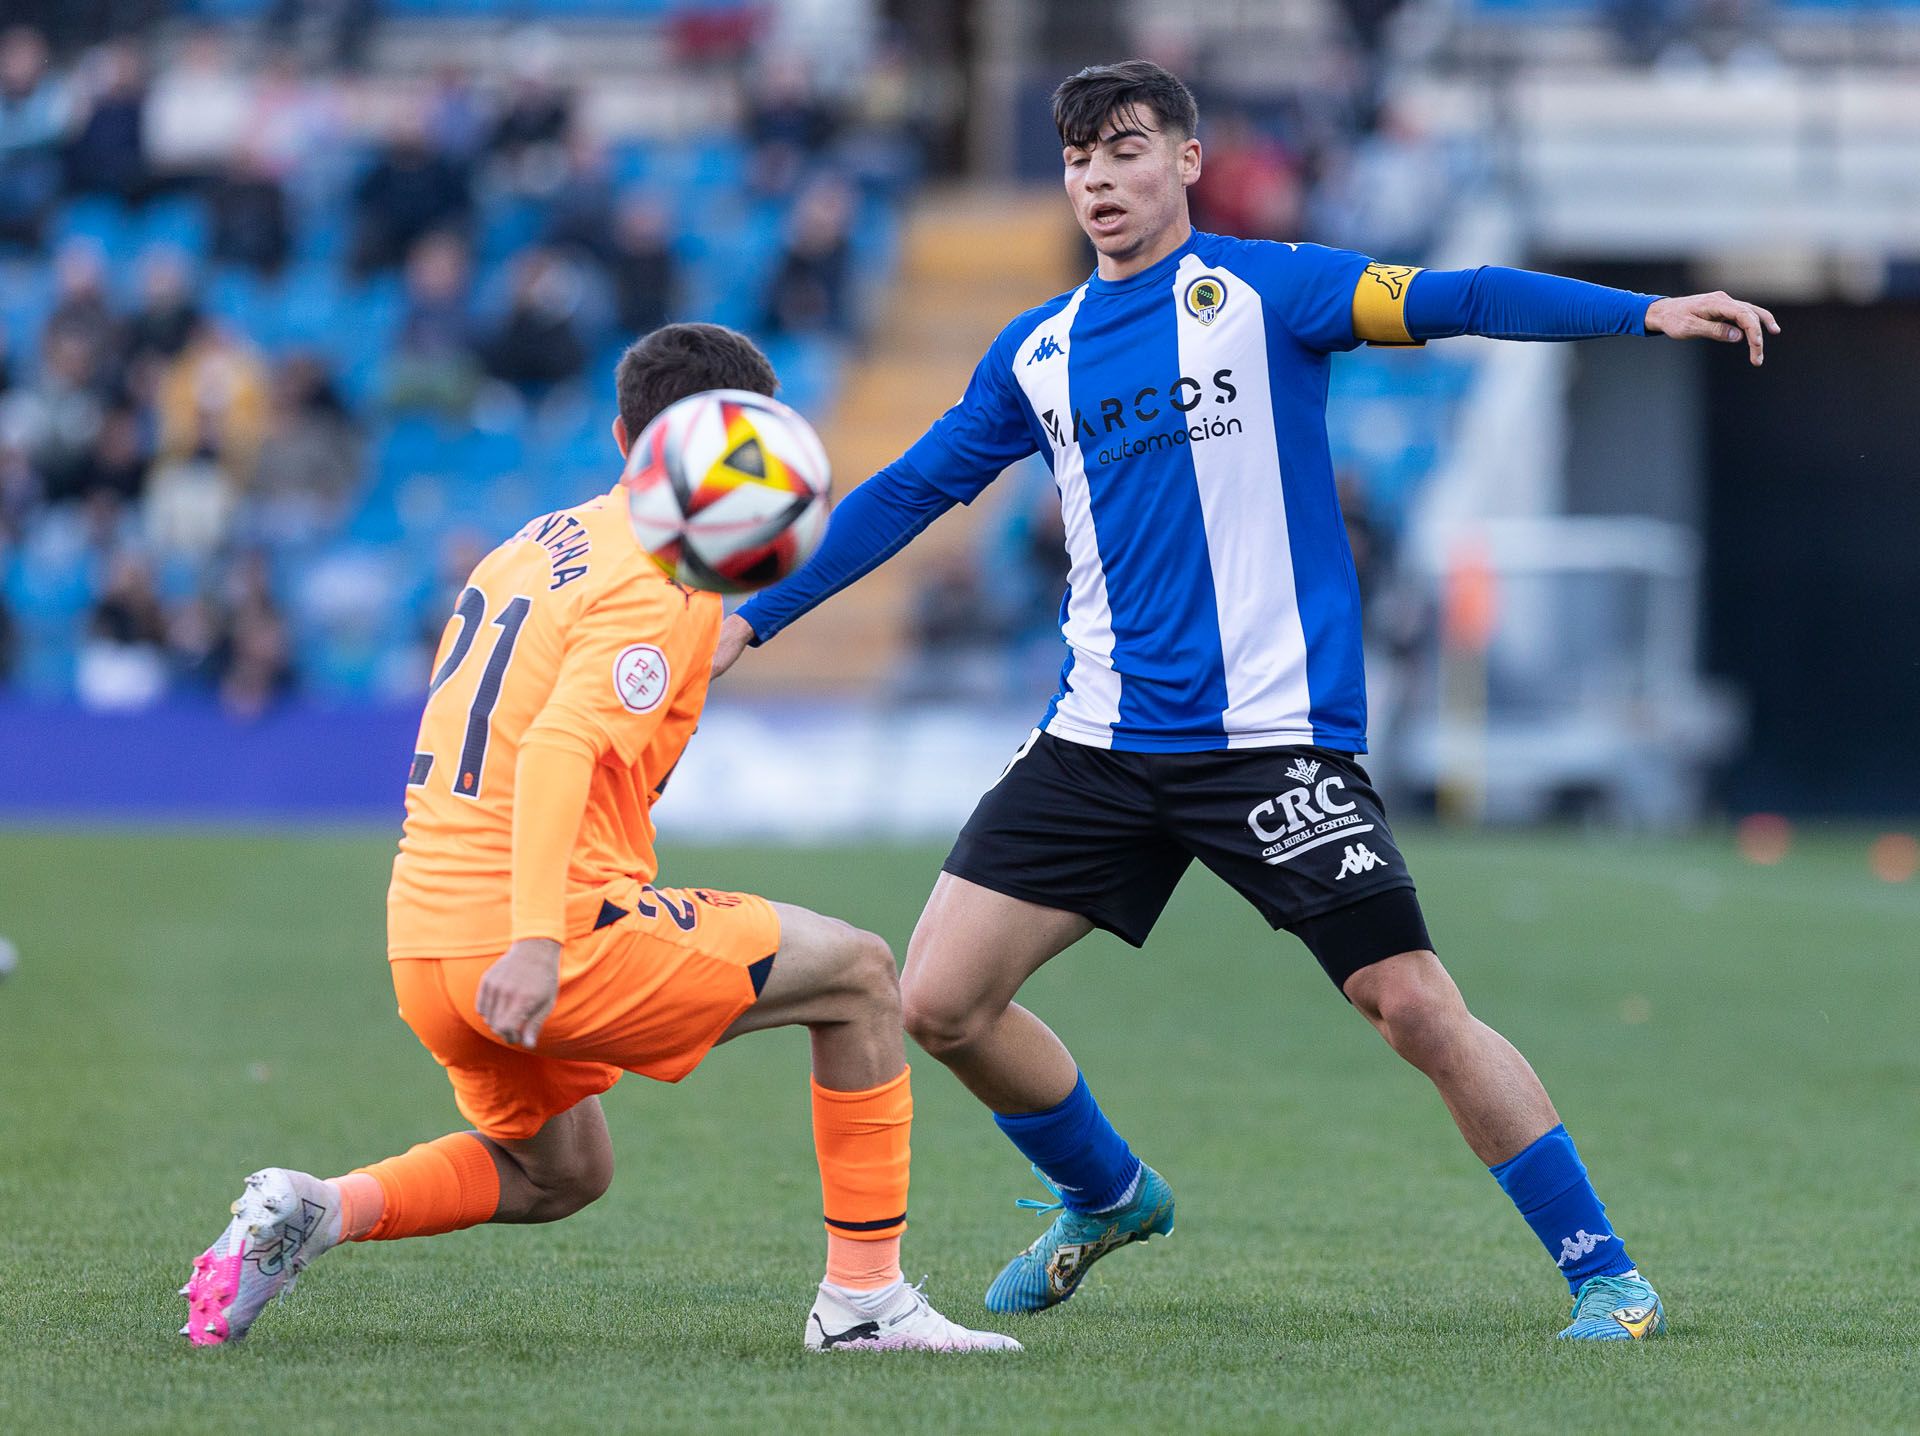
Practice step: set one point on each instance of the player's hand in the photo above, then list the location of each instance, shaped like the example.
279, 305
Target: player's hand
735, 634
518, 992
1714, 316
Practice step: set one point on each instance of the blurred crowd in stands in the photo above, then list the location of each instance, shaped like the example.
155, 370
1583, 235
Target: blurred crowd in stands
1322, 150
238, 318
270, 333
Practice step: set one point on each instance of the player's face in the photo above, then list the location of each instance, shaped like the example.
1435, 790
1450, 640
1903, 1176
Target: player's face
1129, 191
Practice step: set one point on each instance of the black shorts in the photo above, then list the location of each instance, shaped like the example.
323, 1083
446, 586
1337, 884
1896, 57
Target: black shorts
1297, 832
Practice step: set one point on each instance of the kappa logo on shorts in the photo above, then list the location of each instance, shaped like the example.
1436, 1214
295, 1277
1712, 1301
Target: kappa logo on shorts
1297, 820
1358, 858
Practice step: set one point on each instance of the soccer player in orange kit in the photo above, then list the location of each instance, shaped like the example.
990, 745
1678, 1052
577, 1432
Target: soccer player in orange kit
567, 684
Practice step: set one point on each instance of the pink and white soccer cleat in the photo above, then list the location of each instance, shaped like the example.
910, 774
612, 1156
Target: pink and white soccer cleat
898, 1318
282, 1221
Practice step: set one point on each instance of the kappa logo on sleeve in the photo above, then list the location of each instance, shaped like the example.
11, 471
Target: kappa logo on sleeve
1393, 278
641, 678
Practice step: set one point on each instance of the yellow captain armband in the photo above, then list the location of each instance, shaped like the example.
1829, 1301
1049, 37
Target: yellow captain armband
1380, 305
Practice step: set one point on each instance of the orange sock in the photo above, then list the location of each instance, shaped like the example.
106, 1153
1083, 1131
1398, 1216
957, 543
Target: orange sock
361, 1203
438, 1186
862, 1266
862, 1140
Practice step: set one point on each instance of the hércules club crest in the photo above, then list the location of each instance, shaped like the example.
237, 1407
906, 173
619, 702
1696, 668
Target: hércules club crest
1205, 297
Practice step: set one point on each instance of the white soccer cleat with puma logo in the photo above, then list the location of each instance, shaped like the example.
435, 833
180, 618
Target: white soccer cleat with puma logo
896, 1318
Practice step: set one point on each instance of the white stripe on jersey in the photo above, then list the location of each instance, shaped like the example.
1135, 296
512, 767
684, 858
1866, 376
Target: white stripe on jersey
1245, 513
1092, 703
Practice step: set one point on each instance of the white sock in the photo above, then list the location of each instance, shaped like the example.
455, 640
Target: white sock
873, 1302
1132, 1191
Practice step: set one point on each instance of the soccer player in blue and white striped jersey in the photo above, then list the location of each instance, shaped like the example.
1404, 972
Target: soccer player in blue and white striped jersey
1212, 705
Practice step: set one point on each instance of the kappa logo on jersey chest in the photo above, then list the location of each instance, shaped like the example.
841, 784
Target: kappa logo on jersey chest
1047, 348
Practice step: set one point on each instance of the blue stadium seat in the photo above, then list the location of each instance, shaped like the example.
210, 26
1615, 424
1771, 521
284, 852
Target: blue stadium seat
26, 298
179, 222
308, 309
710, 163
227, 9
809, 370
237, 295
94, 217
413, 443
324, 233
484, 454
633, 163
508, 226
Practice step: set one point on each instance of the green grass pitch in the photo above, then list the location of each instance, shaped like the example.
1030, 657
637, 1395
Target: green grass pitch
1734, 1047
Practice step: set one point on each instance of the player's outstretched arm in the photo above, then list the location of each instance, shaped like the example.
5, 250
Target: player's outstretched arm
1714, 316
869, 526
735, 634
950, 464
1394, 305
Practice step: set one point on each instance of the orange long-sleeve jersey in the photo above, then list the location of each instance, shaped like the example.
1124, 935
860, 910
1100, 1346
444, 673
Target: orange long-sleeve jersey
572, 668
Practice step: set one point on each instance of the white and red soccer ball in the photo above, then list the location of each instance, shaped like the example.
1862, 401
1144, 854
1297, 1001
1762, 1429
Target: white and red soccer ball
727, 490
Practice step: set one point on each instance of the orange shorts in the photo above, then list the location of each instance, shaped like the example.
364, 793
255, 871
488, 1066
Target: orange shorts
649, 992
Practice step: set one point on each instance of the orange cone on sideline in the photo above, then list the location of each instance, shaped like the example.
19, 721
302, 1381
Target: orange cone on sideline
1894, 857
1763, 838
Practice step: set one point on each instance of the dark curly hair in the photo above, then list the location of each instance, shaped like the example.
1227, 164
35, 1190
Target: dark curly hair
1086, 101
681, 359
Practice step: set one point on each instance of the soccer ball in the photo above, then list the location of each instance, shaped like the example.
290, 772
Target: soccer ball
727, 490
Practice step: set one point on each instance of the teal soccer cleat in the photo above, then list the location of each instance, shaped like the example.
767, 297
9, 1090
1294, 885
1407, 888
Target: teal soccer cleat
1050, 1271
1616, 1308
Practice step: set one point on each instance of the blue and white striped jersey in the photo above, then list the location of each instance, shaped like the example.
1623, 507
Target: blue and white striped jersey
1211, 599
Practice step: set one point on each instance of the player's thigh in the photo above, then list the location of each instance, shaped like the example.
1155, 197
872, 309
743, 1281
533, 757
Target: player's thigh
1065, 840
661, 980
510, 1095
825, 970
1303, 836
974, 948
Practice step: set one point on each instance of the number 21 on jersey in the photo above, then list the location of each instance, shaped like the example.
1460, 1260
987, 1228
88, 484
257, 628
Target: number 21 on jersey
471, 614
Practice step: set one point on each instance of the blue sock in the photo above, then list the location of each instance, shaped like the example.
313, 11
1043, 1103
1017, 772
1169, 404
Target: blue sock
1076, 1146
1548, 1183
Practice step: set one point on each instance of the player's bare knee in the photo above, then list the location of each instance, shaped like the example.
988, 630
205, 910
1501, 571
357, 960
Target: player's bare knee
593, 1179
579, 1184
941, 1027
1420, 1013
865, 973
